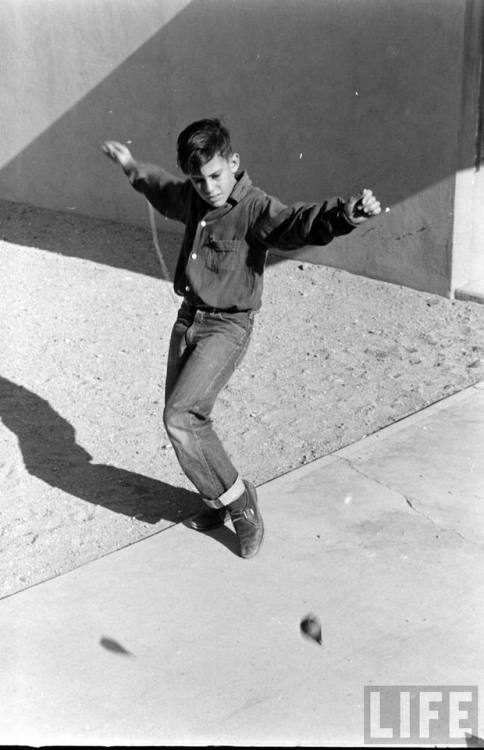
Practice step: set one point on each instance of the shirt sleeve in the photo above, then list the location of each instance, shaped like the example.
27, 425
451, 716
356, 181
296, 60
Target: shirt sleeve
291, 227
166, 193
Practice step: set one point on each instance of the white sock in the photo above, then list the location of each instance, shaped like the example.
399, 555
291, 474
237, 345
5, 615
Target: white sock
233, 493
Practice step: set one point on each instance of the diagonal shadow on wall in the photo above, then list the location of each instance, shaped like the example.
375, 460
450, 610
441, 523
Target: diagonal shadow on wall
321, 99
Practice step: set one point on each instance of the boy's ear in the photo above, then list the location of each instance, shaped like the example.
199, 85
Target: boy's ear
234, 162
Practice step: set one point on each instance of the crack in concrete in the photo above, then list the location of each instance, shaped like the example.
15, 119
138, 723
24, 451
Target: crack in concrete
410, 502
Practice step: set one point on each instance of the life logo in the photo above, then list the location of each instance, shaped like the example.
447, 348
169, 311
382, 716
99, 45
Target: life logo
409, 714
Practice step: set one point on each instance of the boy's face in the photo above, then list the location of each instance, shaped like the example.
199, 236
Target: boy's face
216, 179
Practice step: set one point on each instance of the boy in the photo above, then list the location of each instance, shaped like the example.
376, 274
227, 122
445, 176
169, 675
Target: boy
229, 227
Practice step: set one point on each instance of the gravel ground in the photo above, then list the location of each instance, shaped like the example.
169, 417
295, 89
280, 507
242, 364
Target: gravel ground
85, 464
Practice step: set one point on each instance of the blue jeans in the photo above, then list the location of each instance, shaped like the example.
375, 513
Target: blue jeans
205, 349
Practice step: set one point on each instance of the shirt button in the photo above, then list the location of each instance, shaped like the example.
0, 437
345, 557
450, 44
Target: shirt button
194, 255
203, 223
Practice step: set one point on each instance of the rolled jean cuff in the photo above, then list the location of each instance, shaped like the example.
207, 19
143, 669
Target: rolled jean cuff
229, 496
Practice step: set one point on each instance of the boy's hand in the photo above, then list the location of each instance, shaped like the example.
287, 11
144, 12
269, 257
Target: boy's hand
361, 207
118, 153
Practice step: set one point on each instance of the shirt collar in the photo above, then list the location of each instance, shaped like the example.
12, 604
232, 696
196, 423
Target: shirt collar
241, 187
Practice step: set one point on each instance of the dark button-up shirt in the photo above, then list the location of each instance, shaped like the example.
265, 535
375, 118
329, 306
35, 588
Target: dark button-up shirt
224, 249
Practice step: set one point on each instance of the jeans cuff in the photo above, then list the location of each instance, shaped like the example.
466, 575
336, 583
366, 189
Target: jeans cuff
229, 496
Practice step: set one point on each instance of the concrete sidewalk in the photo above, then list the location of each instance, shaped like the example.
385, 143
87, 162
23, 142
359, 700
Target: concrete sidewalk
176, 640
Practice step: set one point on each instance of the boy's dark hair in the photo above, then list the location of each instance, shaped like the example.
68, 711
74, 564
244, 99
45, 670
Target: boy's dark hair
200, 142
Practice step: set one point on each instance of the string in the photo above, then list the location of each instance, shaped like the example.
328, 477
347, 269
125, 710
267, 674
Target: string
156, 243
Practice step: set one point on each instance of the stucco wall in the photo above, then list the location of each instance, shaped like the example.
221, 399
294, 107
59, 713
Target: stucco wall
323, 97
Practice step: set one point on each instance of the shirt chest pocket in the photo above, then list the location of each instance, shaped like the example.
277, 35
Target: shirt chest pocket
222, 255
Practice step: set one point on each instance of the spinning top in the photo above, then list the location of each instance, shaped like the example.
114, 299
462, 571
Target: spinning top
311, 628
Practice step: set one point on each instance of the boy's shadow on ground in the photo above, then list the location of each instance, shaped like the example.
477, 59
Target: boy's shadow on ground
51, 453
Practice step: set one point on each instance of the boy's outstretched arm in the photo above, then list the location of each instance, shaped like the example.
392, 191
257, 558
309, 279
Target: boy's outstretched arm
291, 227
166, 193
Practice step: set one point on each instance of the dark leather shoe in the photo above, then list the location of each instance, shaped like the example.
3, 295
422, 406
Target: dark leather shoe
247, 521
206, 519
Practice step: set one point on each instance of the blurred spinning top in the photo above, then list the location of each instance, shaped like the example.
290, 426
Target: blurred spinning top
311, 628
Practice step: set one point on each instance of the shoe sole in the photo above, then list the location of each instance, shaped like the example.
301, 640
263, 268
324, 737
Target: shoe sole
204, 527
